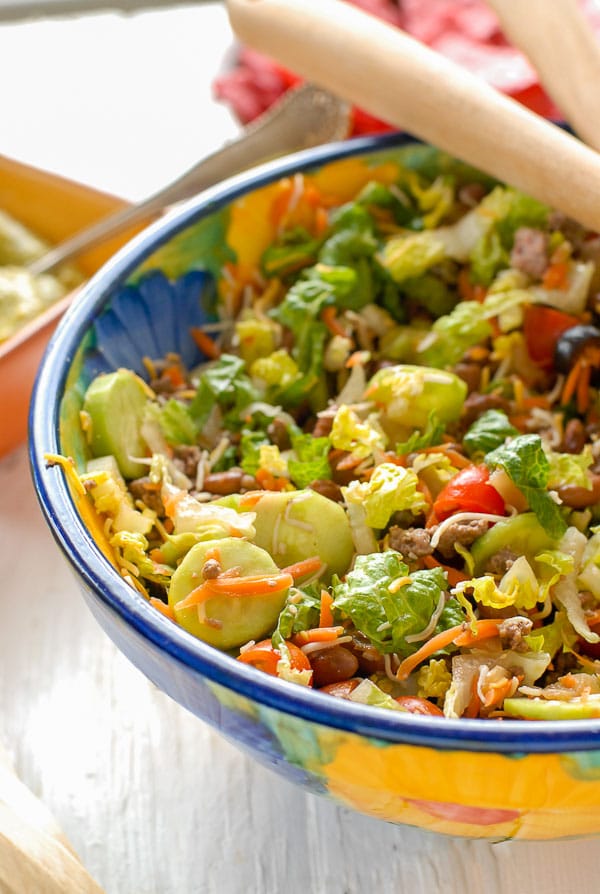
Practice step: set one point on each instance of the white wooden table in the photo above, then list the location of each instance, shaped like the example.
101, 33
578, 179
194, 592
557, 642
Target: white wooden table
153, 800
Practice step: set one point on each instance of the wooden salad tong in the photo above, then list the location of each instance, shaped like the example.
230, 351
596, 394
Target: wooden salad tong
383, 70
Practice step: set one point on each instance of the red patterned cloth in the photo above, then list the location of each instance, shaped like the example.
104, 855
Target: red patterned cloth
465, 31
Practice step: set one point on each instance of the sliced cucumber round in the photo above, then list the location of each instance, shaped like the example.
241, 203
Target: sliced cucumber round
226, 620
522, 534
297, 525
553, 709
115, 403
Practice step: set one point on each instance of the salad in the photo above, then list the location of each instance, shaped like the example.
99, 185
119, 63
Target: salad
384, 481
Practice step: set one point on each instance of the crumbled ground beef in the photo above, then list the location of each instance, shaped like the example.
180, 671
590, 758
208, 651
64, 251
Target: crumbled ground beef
500, 562
512, 631
186, 458
149, 493
463, 532
412, 543
530, 252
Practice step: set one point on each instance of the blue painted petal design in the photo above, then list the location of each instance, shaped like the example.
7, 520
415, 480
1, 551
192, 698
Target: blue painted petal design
151, 319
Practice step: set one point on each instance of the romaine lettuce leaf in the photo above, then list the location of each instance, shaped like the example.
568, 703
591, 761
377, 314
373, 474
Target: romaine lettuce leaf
525, 462
386, 617
488, 432
223, 383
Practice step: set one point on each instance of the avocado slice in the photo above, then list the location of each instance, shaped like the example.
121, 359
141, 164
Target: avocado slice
115, 403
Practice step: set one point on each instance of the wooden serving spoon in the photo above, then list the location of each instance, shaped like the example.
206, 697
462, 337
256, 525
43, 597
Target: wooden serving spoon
398, 79
559, 43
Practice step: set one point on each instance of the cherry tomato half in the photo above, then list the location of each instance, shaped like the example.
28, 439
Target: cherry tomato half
416, 705
263, 656
542, 327
468, 491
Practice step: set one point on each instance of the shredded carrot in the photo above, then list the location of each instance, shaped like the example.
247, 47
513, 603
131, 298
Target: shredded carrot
196, 597
454, 576
251, 584
304, 568
317, 635
497, 692
174, 375
157, 556
325, 614
570, 386
461, 635
269, 481
556, 276
164, 609
328, 315
484, 630
474, 706
207, 345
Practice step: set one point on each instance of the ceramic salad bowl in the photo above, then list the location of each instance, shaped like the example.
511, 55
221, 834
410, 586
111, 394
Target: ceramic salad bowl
477, 777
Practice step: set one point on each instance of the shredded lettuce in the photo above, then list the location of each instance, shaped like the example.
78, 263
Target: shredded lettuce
277, 371
311, 460
295, 249
433, 679
570, 468
211, 520
409, 256
566, 591
175, 421
390, 489
256, 336
108, 490
368, 693
431, 436
300, 612
134, 550
349, 433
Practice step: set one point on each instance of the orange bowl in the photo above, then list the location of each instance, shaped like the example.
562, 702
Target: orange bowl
54, 208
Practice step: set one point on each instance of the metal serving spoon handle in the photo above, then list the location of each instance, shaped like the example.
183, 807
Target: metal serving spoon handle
306, 116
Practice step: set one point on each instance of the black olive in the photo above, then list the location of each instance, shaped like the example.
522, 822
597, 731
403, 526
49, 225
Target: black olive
572, 343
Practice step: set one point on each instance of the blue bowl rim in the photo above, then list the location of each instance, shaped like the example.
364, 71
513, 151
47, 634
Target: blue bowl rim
98, 575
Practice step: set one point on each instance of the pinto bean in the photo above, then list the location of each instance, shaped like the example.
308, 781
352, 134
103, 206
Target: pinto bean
224, 483
580, 497
328, 489
333, 665
574, 437
470, 373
